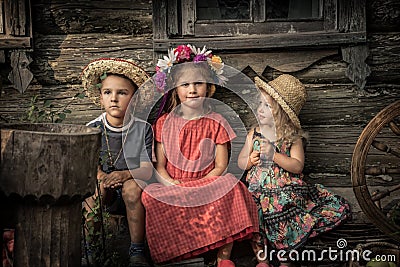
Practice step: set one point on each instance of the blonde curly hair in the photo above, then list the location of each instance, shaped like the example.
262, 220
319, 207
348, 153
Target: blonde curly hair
285, 129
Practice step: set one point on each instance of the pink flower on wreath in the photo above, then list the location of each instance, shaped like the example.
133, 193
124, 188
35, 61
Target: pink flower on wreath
182, 53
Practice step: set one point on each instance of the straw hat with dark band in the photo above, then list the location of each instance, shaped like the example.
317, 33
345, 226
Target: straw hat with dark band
93, 71
289, 92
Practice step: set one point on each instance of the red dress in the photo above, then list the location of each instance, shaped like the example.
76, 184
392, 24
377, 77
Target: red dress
201, 213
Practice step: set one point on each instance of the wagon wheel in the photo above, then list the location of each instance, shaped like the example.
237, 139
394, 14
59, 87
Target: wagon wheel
376, 164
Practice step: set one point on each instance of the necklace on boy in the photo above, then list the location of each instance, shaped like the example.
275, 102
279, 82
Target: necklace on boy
111, 162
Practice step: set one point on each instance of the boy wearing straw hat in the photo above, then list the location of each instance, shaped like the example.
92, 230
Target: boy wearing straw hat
291, 211
125, 158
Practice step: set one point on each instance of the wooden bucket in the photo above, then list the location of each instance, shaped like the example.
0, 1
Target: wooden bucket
46, 171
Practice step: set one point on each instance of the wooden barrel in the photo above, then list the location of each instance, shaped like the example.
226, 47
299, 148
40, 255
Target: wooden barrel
46, 171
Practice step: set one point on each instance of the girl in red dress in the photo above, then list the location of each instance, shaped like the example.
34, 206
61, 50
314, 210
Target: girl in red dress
203, 208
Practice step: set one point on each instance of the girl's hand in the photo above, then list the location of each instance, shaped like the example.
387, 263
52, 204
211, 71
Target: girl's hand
175, 182
267, 149
170, 181
254, 158
166, 180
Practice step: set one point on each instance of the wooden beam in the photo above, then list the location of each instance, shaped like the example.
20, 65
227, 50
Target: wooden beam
1, 16
15, 42
330, 15
159, 19
172, 18
20, 75
284, 61
9, 19
352, 16
188, 17
267, 41
22, 18
259, 11
2, 57
358, 70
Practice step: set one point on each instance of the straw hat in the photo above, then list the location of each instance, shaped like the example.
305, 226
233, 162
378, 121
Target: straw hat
289, 92
93, 71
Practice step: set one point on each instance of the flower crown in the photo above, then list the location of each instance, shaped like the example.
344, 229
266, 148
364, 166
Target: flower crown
188, 53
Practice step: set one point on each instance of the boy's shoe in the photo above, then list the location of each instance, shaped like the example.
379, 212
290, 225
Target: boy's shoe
138, 261
226, 263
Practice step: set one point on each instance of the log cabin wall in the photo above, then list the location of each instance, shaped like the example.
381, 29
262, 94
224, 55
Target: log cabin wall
69, 34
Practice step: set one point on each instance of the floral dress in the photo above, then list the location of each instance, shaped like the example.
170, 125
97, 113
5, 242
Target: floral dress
291, 211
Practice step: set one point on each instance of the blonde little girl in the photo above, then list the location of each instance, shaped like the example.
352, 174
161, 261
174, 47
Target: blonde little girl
291, 211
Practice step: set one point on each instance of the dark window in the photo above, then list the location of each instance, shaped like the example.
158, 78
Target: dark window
223, 10
293, 9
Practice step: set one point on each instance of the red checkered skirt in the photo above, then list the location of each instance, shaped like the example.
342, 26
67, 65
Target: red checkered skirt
187, 220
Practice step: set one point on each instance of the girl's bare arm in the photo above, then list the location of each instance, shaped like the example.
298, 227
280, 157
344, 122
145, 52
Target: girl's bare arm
162, 175
294, 163
221, 160
247, 157
144, 172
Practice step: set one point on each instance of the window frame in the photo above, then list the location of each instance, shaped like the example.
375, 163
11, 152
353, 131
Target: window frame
344, 23
15, 24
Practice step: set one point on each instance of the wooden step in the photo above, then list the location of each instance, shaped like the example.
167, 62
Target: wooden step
196, 262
